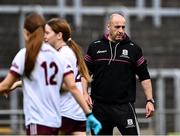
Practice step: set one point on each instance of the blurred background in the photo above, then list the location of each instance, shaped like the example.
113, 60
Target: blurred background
152, 24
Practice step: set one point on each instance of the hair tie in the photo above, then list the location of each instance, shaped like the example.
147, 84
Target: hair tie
69, 39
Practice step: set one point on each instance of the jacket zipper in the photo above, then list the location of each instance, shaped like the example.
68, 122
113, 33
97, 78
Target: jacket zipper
112, 58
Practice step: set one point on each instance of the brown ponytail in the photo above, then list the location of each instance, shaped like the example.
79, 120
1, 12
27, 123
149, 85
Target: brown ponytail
34, 24
80, 60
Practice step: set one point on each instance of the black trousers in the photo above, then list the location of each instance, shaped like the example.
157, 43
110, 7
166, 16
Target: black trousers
121, 116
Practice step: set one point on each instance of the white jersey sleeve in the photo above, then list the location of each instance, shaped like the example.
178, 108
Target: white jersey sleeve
67, 54
17, 64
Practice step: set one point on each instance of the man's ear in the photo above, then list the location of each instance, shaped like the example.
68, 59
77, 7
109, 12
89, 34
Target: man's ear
59, 35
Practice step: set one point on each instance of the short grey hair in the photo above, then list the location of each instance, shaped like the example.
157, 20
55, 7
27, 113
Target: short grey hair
109, 15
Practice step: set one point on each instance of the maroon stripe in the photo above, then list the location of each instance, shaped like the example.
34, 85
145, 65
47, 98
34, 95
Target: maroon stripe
102, 59
15, 73
122, 61
114, 60
67, 73
140, 61
88, 58
78, 80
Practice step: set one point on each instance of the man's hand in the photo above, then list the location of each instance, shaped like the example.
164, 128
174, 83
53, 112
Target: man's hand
149, 109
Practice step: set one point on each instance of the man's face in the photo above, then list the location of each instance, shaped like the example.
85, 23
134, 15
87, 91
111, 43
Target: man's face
50, 36
116, 27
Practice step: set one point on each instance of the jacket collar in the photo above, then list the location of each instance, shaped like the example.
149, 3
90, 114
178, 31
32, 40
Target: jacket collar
125, 38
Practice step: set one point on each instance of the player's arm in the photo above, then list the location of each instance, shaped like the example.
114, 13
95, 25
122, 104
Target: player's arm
85, 92
6, 84
91, 122
69, 82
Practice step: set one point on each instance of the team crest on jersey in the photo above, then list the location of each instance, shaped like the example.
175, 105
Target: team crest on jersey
130, 123
124, 53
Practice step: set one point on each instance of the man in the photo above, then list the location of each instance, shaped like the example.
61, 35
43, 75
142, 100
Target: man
114, 61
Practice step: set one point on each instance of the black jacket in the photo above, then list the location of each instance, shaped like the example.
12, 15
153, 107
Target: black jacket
114, 67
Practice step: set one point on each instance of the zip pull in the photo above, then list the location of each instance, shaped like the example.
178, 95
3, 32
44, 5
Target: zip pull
115, 50
111, 53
